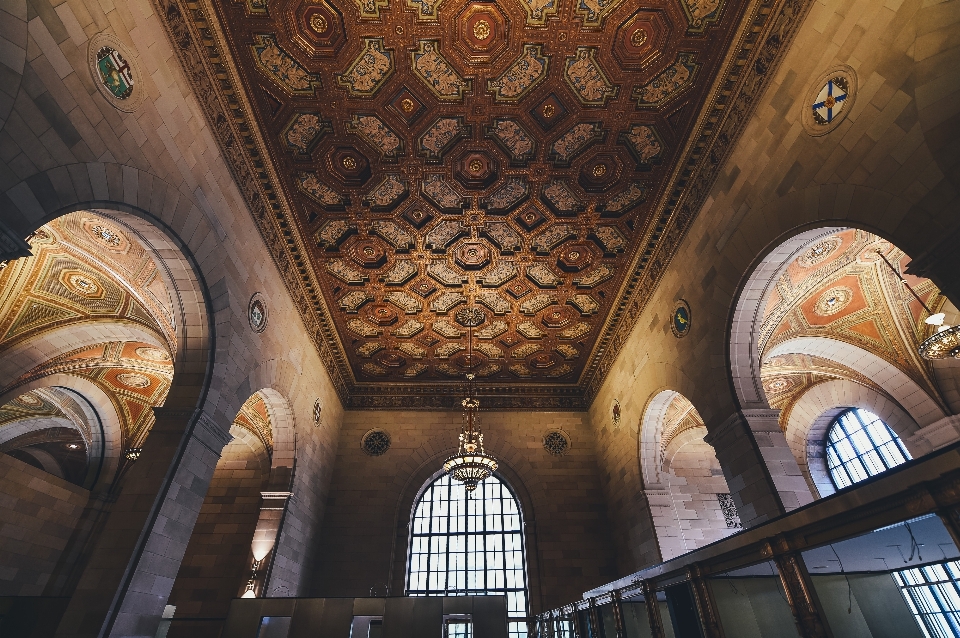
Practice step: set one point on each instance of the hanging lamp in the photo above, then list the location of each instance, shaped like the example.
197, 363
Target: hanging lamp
470, 465
942, 344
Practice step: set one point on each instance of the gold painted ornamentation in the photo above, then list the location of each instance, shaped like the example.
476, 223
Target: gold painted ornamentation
599, 170
280, 66
318, 23
369, 70
436, 73
638, 37
675, 78
407, 105
526, 72
481, 30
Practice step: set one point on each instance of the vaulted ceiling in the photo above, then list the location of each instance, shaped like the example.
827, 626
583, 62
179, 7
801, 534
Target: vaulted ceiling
418, 166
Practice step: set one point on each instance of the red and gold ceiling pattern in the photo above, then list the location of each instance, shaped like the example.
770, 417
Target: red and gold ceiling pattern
840, 289
255, 418
83, 268
504, 156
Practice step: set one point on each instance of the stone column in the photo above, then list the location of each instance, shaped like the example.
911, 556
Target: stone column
653, 610
126, 583
761, 471
801, 595
706, 609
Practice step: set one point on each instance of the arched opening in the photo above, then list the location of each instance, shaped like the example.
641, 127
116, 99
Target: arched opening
469, 546
825, 325
860, 445
685, 486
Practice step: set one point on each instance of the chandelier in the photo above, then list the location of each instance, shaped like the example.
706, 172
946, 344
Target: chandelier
942, 344
470, 465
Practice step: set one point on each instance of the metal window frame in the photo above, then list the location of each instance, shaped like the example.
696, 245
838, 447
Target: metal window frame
443, 482
917, 602
828, 445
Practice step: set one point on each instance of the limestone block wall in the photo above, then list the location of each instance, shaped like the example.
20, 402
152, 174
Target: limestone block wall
885, 168
365, 532
38, 514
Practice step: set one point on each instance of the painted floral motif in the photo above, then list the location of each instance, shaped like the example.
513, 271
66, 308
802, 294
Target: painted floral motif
701, 12
593, 12
561, 200
352, 301
441, 135
403, 270
575, 331
623, 201
443, 234
505, 237
374, 370
536, 303
513, 138
332, 233
559, 371
410, 328
412, 349
446, 275
319, 192
575, 141
610, 239
447, 301
404, 302
494, 302
530, 330
370, 9
492, 330
345, 272
511, 194
303, 132
526, 72
670, 81
587, 79
541, 275
391, 190
538, 11
368, 349
489, 350
552, 237
362, 328
442, 194
377, 134
446, 329
500, 274
567, 351
595, 277
521, 371
526, 350
279, 65
585, 304
426, 10
396, 236
433, 69
369, 70
644, 144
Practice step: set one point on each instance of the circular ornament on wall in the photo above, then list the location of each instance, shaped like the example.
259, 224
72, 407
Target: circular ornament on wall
116, 73
680, 321
833, 301
616, 414
317, 412
257, 312
819, 252
375, 442
829, 100
556, 442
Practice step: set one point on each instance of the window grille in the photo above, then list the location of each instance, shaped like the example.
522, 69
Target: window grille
859, 445
472, 546
933, 595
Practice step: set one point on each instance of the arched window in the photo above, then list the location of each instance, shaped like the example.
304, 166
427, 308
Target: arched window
860, 445
469, 546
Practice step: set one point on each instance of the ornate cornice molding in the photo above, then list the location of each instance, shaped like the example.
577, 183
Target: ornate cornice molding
763, 38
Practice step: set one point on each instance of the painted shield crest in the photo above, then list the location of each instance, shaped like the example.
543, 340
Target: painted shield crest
115, 72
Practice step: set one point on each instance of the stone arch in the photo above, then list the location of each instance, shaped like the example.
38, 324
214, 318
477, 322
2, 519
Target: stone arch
651, 438
904, 390
812, 413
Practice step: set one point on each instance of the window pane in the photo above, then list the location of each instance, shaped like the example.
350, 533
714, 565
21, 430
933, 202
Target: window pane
859, 445
472, 544
933, 595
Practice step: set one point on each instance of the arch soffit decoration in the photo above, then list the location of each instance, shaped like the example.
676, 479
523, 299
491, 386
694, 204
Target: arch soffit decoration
277, 380
681, 440
901, 388
159, 214
671, 381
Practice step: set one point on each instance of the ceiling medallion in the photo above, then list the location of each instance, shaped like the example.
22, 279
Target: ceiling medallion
257, 312
833, 301
680, 324
481, 29
318, 23
829, 100
638, 37
470, 317
375, 442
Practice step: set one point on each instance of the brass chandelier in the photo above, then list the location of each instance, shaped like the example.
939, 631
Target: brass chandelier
942, 344
470, 465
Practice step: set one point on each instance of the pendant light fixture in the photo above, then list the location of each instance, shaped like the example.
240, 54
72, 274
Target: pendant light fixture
470, 465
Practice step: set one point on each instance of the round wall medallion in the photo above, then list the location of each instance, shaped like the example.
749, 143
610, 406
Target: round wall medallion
375, 442
829, 100
819, 252
133, 380
615, 414
556, 442
257, 312
680, 323
115, 72
152, 354
833, 301
317, 412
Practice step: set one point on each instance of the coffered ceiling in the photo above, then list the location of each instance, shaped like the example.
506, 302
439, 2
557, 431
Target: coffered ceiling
520, 158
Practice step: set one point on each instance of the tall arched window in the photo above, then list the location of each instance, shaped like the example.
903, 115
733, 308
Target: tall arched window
860, 445
469, 545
